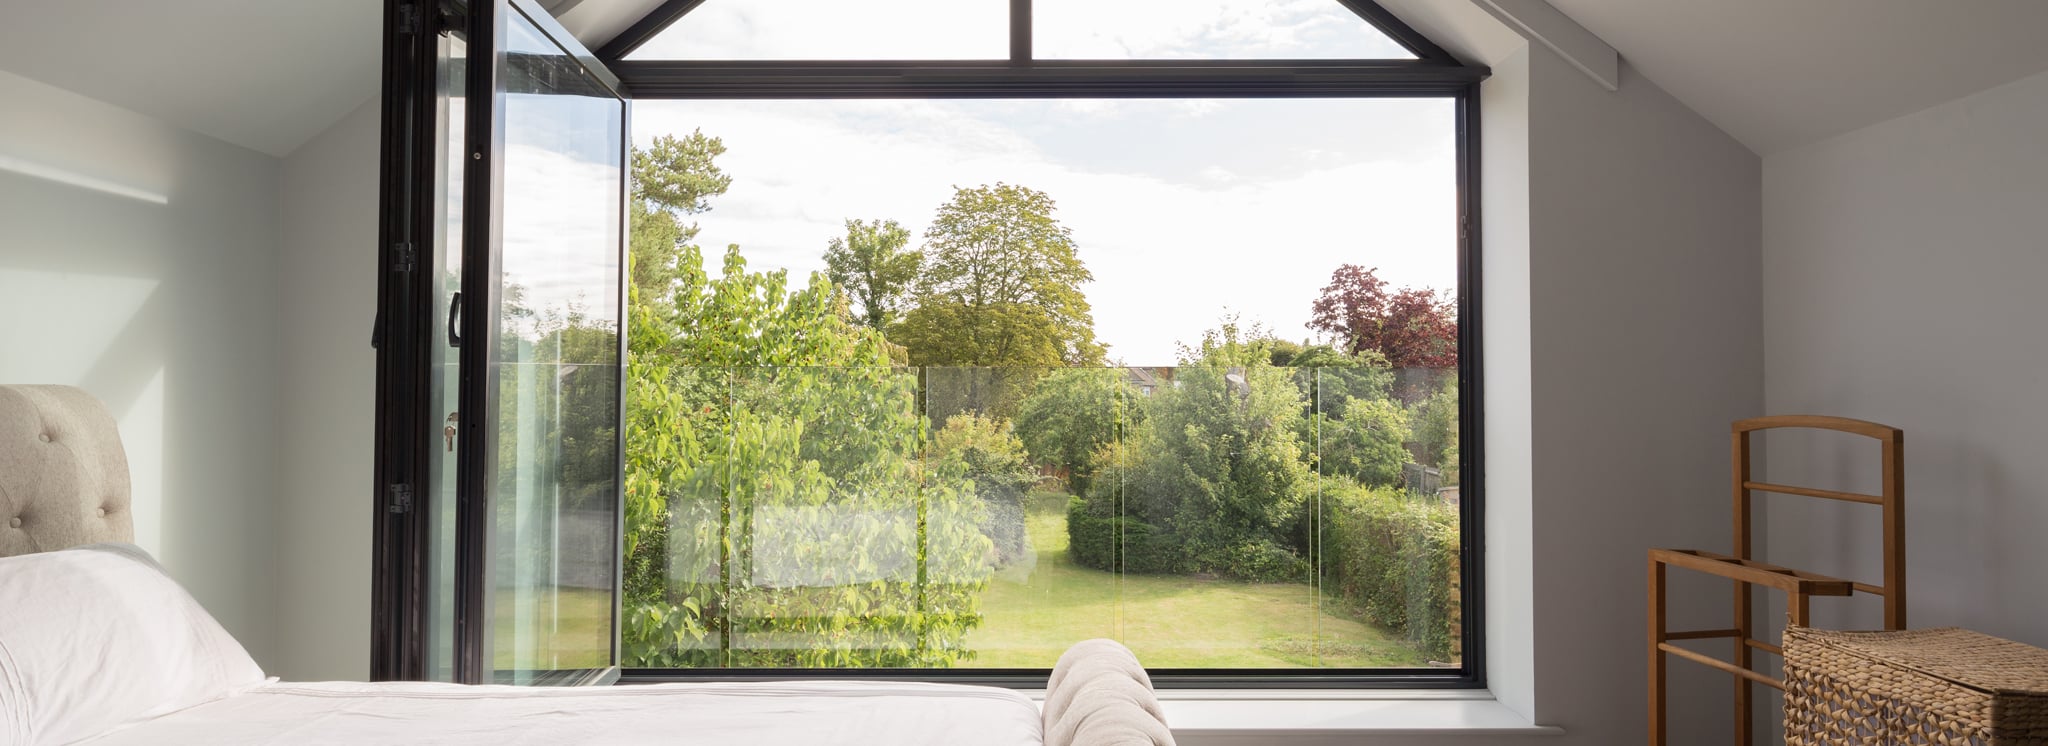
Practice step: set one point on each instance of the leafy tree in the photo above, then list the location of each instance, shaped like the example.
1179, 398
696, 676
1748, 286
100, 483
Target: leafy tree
986, 452
873, 267
1333, 377
1435, 420
1000, 287
767, 437
673, 178
1069, 416
1413, 328
679, 173
1368, 443
1283, 352
1216, 463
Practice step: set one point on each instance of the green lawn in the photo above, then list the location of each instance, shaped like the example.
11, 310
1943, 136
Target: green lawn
561, 628
1034, 610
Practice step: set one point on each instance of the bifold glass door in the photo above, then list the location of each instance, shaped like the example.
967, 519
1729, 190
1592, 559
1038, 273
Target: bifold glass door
502, 348
537, 543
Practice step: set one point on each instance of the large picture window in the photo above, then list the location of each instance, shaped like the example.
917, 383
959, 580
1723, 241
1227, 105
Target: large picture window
925, 339
954, 374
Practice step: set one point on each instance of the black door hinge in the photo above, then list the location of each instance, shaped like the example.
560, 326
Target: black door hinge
399, 498
403, 257
409, 18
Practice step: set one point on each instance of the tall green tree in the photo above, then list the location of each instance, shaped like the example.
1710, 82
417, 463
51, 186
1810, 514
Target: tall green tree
873, 265
1001, 286
673, 178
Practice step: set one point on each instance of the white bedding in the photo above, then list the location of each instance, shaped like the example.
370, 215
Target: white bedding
748, 714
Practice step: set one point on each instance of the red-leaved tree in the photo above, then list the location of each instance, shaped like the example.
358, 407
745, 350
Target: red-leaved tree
1414, 328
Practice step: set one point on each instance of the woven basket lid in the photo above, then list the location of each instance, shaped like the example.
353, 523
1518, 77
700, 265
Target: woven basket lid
1972, 659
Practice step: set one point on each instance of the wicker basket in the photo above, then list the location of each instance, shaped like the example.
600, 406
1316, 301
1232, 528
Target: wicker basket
1936, 686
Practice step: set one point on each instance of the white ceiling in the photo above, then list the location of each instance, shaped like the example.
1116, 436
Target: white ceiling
271, 74
264, 74
1781, 73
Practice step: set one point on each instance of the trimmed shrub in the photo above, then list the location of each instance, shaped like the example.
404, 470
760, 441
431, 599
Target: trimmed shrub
1264, 562
1100, 542
1390, 554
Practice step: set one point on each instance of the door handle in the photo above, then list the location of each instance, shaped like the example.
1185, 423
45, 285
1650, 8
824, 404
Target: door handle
455, 319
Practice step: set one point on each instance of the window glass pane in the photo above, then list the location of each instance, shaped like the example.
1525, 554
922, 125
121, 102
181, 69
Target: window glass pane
835, 29
557, 494
1043, 593
1206, 29
1175, 372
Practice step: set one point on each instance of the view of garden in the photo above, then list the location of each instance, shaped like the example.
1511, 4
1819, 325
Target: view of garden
923, 456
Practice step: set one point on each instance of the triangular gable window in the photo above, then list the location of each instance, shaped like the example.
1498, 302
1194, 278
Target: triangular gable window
1061, 29
1206, 29
836, 30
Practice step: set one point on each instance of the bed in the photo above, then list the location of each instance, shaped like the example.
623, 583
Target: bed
98, 645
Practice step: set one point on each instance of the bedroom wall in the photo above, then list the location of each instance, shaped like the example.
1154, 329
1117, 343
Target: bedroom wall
139, 261
328, 268
1644, 318
1902, 271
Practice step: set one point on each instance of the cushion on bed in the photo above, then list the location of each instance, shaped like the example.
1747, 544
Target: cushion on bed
97, 637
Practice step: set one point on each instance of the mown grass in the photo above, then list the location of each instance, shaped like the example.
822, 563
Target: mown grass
1034, 610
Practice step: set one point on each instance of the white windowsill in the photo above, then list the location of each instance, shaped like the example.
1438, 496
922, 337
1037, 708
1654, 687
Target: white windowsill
1201, 716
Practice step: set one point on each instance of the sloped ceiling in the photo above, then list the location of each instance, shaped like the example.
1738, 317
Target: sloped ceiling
267, 75
271, 74
264, 74
1781, 73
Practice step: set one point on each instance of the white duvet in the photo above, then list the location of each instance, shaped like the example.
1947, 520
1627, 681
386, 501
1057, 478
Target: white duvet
749, 714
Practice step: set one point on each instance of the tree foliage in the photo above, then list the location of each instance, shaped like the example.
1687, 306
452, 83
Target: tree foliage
673, 178
1216, 463
1070, 415
1000, 287
872, 265
775, 480
1367, 443
1413, 328
985, 452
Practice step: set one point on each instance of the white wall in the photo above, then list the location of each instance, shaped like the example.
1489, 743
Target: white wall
138, 261
325, 509
1903, 265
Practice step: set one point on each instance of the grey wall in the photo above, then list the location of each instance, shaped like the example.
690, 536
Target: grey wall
328, 270
139, 261
1644, 318
1902, 275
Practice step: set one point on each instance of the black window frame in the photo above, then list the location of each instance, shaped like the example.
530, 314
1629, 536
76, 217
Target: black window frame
1434, 73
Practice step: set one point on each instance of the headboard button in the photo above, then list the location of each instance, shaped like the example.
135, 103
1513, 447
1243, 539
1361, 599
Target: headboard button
14, 522
102, 512
44, 437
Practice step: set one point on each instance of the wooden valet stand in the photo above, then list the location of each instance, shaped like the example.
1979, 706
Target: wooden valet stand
1799, 587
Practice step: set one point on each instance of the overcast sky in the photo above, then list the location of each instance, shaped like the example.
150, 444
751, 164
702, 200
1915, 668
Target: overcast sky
1184, 210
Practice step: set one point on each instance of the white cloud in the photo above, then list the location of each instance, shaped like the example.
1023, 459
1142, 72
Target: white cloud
1172, 244
559, 217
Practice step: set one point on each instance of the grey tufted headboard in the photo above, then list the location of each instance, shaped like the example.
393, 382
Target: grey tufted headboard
63, 473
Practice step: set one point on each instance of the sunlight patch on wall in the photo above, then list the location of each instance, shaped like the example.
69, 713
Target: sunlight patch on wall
76, 319
142, 434
33, 169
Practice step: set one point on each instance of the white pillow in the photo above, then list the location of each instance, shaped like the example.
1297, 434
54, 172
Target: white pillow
97, 637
